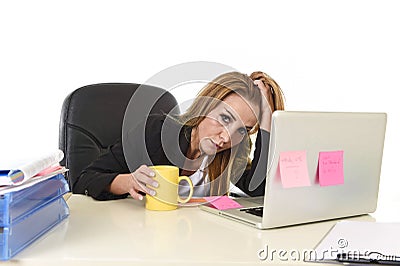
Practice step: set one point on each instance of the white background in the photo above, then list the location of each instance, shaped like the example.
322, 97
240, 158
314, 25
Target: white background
326, 55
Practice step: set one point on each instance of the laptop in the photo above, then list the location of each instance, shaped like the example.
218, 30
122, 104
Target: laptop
358, 137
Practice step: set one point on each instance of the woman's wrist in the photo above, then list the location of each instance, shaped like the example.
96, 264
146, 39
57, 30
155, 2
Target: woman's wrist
265, 122
119, 185
266, 127
266, 110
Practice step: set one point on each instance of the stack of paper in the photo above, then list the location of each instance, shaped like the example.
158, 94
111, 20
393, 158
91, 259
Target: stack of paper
31, 202
41, 166
360, 242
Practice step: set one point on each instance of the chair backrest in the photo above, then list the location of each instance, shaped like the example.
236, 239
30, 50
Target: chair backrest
92, 117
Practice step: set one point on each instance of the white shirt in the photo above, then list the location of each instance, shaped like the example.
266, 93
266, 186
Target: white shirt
201, 184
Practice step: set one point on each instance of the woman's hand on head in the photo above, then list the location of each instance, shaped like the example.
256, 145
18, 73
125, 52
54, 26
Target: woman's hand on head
135, 183
266, 110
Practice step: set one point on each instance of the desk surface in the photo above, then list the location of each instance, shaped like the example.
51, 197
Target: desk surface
122, 232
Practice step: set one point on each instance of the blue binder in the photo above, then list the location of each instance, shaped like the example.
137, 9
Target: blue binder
28, 213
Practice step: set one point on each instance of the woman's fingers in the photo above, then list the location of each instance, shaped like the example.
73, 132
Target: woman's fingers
146, 176
138, 185
263, 88
141, 181
135, 194
260, 84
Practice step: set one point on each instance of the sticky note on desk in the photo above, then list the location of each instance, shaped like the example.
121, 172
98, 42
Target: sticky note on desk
330, 168
223, 202
293, 169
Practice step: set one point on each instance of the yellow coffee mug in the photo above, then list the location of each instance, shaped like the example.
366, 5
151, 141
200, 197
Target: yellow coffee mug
167, 197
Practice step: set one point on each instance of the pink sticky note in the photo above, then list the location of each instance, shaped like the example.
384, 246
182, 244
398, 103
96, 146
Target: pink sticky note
223, 202
293, 169
330, 168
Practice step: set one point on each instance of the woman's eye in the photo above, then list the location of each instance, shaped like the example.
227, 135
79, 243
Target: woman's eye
242, 131
225, 118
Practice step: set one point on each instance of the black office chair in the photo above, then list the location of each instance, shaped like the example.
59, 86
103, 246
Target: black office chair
92, 118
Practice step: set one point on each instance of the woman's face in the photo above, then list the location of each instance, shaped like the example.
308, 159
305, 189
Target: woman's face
226, 125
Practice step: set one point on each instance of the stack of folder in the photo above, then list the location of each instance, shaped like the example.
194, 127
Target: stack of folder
30, 209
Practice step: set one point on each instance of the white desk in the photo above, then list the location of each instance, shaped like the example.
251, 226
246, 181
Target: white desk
122, 232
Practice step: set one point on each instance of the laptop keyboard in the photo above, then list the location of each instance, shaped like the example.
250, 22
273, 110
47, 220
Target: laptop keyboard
258, 211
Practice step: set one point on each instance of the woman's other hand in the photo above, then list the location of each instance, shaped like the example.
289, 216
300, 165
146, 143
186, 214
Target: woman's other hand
266, 110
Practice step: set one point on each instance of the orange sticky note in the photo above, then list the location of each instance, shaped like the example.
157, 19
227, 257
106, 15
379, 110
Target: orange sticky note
223, 202
330, 168
293, 169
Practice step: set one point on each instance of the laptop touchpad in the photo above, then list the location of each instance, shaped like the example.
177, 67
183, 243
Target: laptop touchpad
255, 200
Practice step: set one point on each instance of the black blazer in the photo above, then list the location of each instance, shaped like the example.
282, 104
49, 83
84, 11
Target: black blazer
96, 178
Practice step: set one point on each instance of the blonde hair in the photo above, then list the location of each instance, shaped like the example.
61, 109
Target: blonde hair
220, 169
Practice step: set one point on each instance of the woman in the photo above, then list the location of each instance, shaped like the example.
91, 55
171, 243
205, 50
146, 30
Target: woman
212, 136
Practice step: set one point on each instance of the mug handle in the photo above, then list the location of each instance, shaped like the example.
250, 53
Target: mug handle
187, 179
